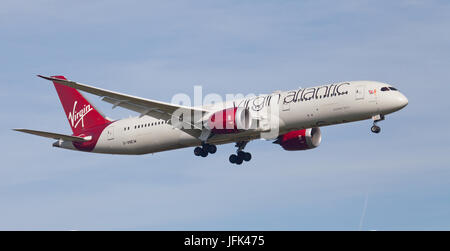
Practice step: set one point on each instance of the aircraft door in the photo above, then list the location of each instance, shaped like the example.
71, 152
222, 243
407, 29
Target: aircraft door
286, 107
359, 92
110, 133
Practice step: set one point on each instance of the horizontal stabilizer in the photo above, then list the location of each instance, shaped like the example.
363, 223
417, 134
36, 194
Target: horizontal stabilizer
55, 135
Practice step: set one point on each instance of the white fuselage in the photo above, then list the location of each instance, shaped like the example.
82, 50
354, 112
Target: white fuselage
297, 109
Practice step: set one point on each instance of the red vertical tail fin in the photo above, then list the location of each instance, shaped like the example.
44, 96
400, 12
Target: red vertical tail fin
80, 113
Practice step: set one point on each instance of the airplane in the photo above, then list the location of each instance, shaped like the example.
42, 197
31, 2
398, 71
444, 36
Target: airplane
293, 118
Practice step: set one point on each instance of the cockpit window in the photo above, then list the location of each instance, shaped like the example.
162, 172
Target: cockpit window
384, 89
392, 88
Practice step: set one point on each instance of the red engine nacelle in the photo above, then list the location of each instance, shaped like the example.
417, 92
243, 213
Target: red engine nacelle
231, 120
300, 140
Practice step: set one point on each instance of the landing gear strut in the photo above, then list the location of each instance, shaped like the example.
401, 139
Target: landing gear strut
375, 128
240, 155
205, 149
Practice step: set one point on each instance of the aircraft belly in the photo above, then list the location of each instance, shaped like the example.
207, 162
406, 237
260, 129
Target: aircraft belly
159, 139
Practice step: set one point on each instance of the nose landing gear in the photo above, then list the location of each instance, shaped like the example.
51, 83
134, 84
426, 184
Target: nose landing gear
375, 128
240, 155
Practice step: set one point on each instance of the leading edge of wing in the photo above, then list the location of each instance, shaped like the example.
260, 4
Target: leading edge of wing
166, 107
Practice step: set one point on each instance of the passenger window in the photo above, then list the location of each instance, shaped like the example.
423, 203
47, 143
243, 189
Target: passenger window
383, 89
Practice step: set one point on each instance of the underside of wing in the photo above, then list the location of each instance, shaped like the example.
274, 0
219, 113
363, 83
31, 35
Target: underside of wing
54, 135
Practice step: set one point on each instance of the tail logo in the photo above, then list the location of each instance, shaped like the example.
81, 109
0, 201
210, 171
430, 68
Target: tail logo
76, 117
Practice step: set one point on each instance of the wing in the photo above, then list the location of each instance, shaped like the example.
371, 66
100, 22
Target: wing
55, 135
153, 108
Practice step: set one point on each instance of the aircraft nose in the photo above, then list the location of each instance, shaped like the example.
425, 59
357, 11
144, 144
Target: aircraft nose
401, 101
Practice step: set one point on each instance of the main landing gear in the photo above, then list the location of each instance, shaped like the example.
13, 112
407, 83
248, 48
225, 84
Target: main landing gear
205, 150
240, 155
375, 128
237, 158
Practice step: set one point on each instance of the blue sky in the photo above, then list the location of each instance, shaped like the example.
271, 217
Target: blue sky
157, 49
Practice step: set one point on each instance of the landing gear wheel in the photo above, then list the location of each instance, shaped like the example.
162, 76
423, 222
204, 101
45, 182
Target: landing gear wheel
244, 155
198, 151
211, 149
240, 155
247, 156
375, 129
204, 153
233, 158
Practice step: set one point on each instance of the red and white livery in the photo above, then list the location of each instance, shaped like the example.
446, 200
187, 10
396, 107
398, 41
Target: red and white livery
294, 116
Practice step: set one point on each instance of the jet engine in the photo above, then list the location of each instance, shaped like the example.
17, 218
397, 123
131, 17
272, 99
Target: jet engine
300, 140
231, 120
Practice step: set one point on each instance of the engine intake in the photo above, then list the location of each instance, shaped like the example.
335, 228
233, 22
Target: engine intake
300, 140
231, 120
